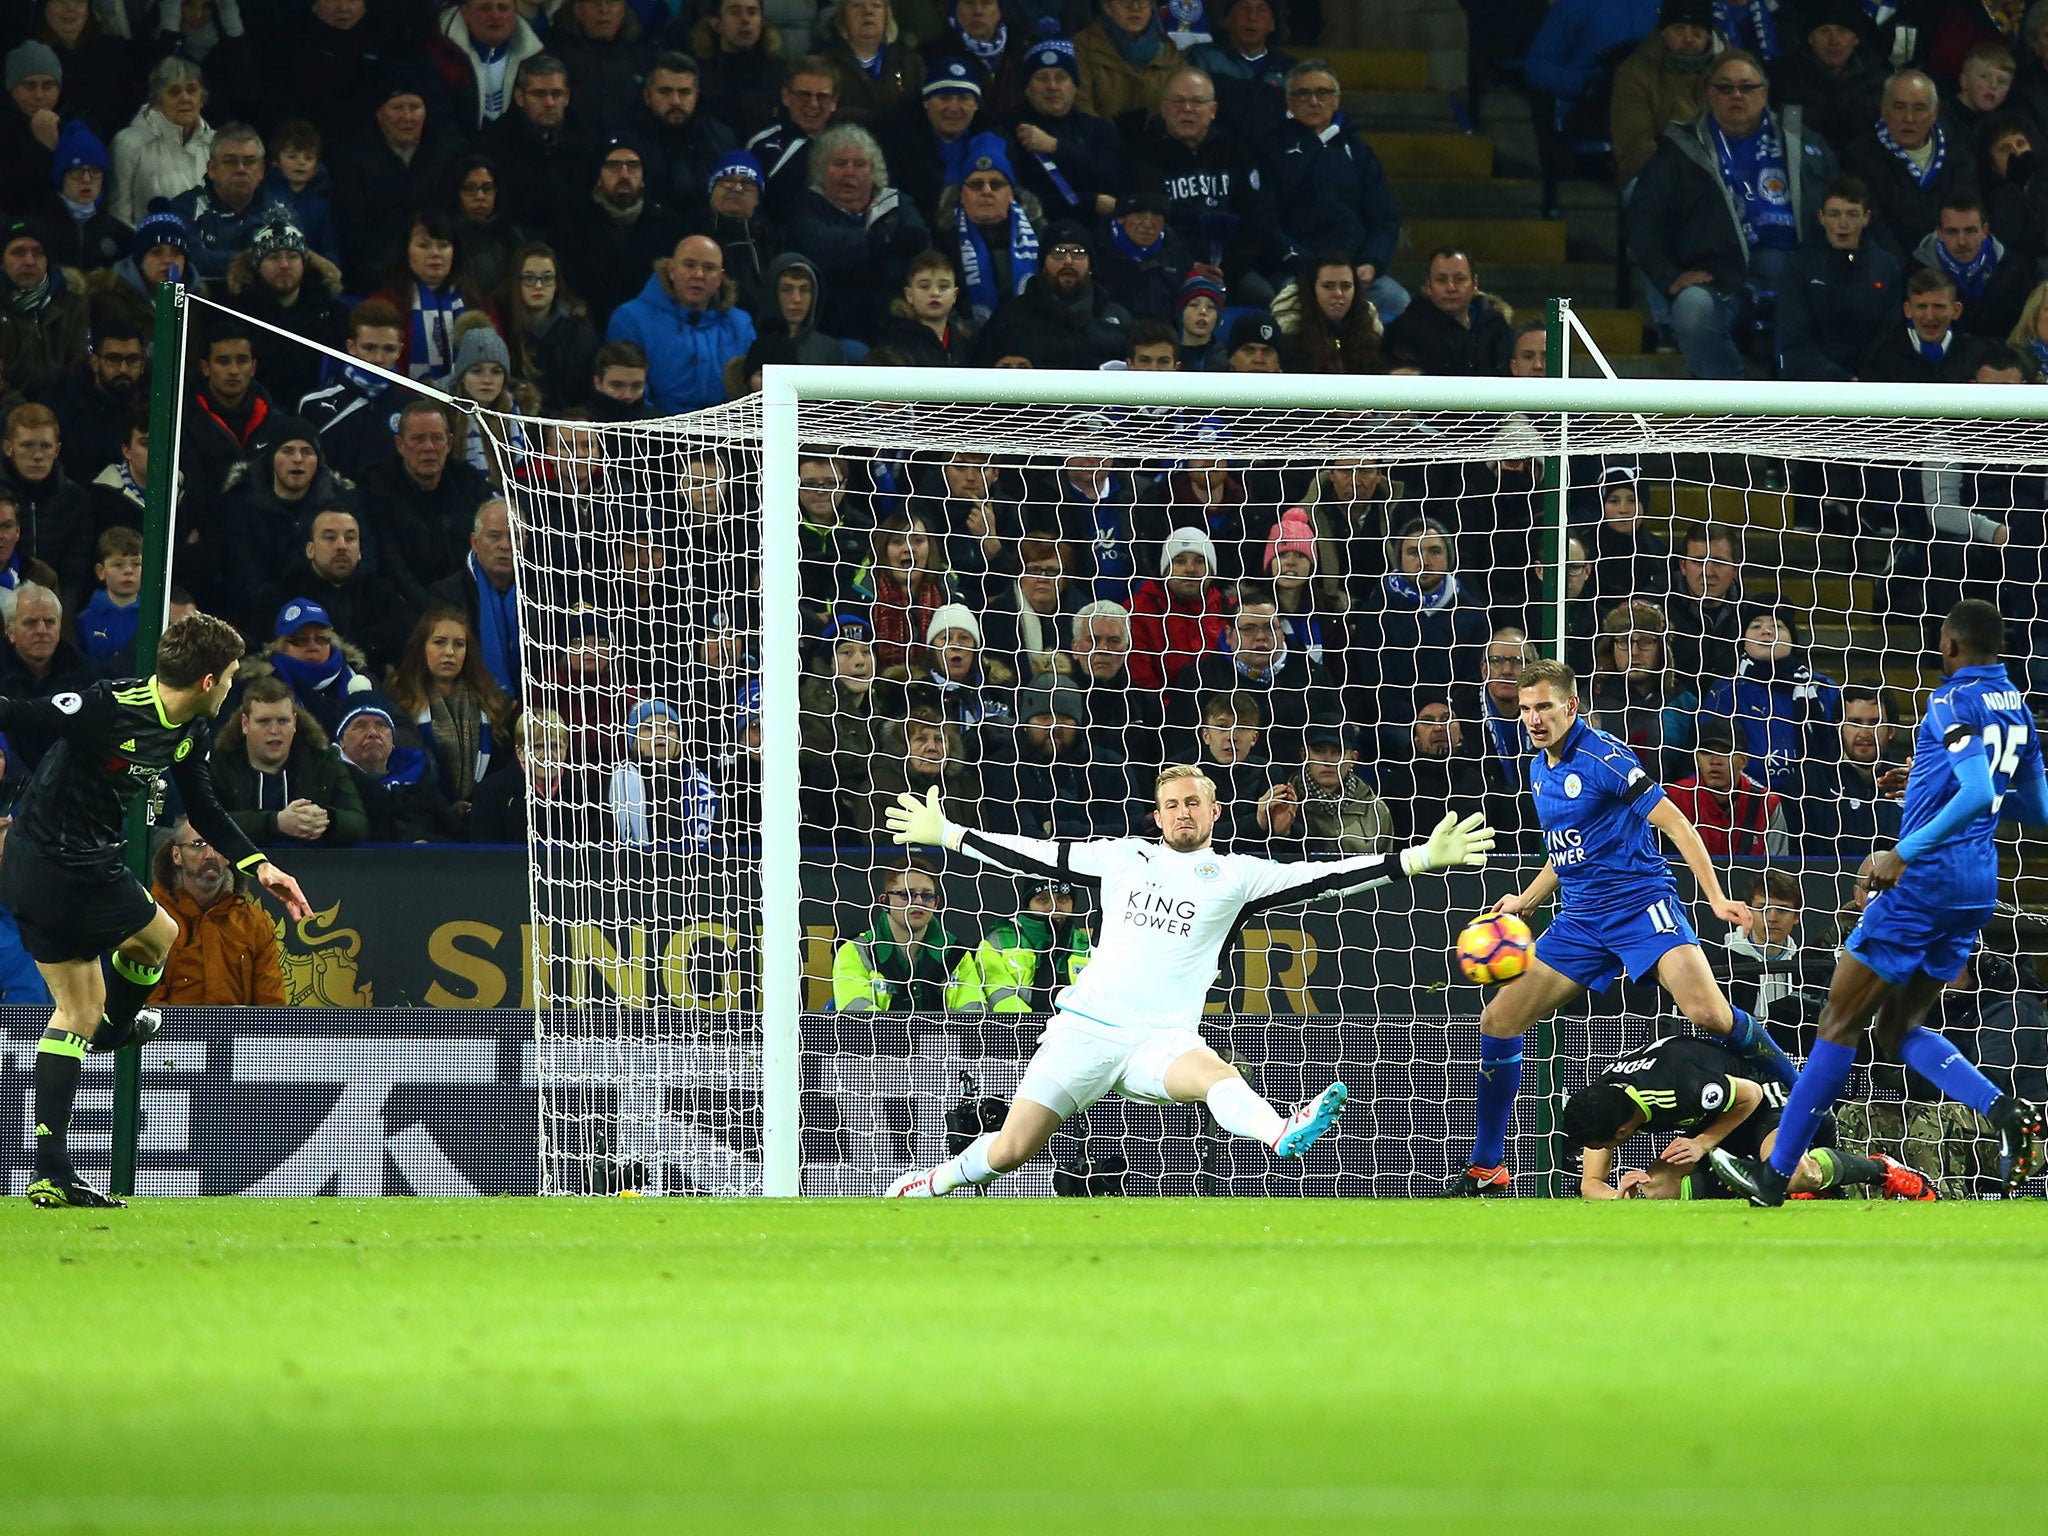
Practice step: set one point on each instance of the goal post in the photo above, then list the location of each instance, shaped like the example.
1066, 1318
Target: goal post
1561, 419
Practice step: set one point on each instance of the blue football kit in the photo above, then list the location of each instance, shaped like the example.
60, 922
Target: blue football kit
1619, 907
1929, 922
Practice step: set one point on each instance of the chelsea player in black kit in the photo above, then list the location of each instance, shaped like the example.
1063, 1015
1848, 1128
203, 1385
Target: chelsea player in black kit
65, 876
1705, 1098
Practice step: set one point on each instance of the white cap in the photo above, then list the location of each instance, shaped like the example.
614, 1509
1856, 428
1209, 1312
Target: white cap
1185, 541
952, 616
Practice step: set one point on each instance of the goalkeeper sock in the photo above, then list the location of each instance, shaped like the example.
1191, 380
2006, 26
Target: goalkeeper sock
1753, 1043
970, 1167
60, 1057
1820, 1083
1934, 1058
1838, 1167
1500, 1079
1240, 1111
128, 987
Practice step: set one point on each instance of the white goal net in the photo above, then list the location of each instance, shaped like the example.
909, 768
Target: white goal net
746, 631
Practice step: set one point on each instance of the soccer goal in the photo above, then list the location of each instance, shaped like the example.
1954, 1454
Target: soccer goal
746, 630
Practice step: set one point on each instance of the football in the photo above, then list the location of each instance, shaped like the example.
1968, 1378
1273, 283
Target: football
1494, 948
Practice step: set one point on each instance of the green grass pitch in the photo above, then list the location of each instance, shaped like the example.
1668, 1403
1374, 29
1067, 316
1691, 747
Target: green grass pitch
511, 1366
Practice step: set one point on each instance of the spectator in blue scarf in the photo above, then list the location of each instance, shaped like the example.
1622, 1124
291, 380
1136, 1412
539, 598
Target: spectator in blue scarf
483, 589
993, 227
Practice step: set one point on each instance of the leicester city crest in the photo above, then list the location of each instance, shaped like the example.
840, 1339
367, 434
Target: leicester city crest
1208, 869
1572, 785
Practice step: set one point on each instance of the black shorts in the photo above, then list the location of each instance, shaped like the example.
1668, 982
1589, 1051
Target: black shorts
66, 913
1747, 1140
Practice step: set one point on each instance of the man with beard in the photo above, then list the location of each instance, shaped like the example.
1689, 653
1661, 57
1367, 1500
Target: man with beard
95, 400
263, 513
1060, 783
1024, 960
225, 955
1844, 808
1061, 319
681, 143
1436, 772
609, 252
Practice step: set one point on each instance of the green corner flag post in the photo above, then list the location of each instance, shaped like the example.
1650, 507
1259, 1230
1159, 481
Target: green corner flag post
1551, 632
168, 363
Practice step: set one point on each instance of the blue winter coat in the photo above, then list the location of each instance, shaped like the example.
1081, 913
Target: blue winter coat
20, 981
687, 349
1779, 705
1330, 194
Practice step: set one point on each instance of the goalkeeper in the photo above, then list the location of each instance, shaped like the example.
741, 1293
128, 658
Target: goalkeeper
1169, 910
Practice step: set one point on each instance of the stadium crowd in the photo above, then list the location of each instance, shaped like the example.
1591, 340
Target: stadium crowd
588, 213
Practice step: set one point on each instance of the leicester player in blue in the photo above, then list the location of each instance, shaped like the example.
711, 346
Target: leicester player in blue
1977, 754
1622, 912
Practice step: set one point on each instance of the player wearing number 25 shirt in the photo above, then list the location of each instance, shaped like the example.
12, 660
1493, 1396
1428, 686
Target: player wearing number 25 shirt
1622, 911
1976, 755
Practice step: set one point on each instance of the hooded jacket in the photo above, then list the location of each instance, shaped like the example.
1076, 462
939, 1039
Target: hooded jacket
153, 159
1167, 635
1651, 92
310, 772
687, 349
812, 345
289, 371
743, 90
1777, 704
454, 55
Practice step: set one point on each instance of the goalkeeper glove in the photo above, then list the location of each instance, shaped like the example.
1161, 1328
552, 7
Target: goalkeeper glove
912, 820
1453, 844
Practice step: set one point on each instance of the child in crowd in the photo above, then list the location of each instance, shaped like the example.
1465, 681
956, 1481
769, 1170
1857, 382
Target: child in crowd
299, 181
500, 443
106, 627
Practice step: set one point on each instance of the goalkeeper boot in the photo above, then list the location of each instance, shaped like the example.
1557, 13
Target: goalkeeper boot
2020, 1127
1903, 1183
1476, 1182
147, 1024
1310, 1123
70, 1192
915, 1185
1750, 1177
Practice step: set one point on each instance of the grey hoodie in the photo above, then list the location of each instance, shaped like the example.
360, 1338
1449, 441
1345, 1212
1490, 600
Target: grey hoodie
812, 346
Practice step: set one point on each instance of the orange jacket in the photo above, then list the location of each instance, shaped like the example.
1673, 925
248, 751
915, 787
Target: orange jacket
225, 956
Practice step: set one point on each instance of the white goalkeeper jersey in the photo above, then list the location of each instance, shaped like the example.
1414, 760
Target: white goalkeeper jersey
1167, 917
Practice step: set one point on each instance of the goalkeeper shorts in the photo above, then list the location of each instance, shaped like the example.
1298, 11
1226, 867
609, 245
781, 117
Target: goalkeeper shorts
1072, 1067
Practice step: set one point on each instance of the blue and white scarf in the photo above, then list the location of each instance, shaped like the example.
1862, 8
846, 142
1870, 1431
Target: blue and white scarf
2040, 350
308, 678
1932, 351
1924, 178
1126, 246
977, 270
1303, 632
1970, 275
433, 331
1405, 587
1749, 25
367, 384
985, 51
1754, 170
130, 486
491, 78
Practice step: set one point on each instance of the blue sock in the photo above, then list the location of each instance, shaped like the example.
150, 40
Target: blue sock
1819, 1085
1932, 1056
1500, 1076
1753, 1043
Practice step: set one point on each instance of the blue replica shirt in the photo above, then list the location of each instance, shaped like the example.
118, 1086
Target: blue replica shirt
1595, 805
1977, 710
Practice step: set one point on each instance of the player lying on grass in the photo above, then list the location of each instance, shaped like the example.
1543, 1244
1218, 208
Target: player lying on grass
1933, 894
1169, 911
1622, 910
65, 875
1699, 1090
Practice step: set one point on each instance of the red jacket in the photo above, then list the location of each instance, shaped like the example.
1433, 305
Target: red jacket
1167, 636
1731, 825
